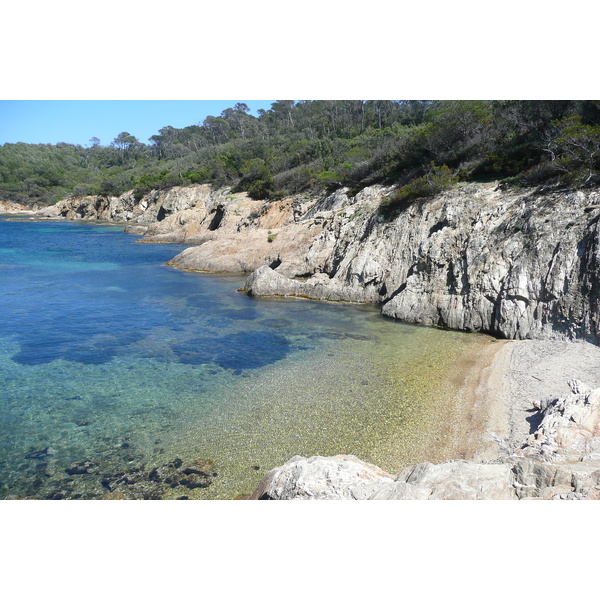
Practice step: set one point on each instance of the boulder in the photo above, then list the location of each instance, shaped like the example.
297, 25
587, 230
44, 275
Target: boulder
341, 477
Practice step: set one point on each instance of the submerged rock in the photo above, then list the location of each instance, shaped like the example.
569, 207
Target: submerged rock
81, 468
40, 454
156, 483
95, 480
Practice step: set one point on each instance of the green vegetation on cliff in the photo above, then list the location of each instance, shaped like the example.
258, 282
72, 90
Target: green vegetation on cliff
324, 144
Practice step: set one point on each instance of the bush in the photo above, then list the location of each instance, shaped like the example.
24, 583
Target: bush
140, 191
546, 173
261, 189
330, 180
435, 180
81, 190
575, 150
198, 176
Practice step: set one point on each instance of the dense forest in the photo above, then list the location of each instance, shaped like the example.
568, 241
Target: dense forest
321, 145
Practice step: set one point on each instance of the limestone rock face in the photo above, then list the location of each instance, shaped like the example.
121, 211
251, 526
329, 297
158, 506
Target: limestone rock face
159, 212
14, 207
516, 264
477, 258
452, 480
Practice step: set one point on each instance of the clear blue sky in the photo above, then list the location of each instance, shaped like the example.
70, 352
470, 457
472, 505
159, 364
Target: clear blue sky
76, 121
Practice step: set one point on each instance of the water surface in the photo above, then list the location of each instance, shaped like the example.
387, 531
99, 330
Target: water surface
121, 377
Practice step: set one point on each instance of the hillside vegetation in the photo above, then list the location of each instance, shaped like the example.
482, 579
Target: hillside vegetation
321, 145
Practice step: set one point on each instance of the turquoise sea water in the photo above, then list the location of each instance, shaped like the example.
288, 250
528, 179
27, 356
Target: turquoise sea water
121, 377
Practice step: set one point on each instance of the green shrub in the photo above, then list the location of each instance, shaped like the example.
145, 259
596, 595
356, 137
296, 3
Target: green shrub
435, 180
198, 176
261, 189
140, 191
330, 180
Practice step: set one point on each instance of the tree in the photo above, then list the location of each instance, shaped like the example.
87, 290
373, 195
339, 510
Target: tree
321, 144
218, 128
257, 180
574, 148
238, 119
282, 113
241, 107
126, 144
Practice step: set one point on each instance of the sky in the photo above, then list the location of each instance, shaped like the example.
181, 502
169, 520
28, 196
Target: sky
77, 121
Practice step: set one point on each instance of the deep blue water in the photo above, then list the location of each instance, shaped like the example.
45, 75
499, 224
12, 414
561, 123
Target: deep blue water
102, 347
88, 294
118, 374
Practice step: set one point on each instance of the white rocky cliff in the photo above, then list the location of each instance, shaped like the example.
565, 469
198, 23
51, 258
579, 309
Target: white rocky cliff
516, 264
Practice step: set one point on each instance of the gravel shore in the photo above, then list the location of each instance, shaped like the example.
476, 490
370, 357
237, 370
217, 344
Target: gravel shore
505, 386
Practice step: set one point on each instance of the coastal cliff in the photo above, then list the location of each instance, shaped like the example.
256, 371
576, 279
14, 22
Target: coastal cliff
14, 207
518, 264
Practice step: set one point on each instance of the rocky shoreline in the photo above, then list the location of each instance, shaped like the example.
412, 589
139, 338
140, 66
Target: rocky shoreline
517, 264
538, 437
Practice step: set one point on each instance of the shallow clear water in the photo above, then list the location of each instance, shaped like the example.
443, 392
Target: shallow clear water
122, 377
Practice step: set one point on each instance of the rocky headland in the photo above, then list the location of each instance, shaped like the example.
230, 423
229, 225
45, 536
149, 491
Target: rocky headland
517, 264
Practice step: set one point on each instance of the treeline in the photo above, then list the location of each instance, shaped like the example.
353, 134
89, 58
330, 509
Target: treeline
325, 144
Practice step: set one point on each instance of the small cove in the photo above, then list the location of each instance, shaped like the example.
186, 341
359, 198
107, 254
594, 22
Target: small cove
116, 371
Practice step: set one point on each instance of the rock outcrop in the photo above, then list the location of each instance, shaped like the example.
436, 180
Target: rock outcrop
157, 213
15, 207
317, 478
515, 264
560, 460
569, 429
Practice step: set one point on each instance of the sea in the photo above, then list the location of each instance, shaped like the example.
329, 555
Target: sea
124, 378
